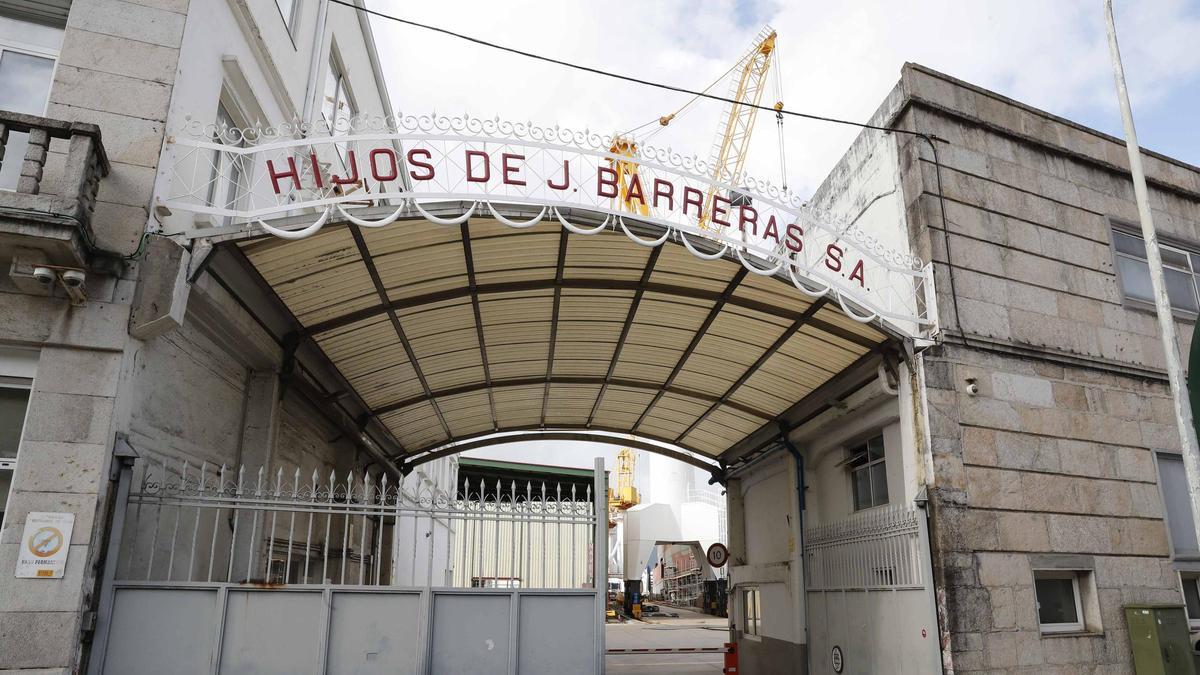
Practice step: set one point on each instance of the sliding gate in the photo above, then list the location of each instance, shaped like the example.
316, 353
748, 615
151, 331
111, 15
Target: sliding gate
213, 570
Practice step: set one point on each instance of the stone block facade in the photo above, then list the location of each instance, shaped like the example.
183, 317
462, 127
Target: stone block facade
1049, 459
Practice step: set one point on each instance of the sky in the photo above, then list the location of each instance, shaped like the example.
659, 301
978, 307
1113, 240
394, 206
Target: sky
835, 59
838, 59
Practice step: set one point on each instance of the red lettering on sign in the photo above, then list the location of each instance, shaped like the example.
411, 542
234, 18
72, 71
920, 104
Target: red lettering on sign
743, 210
606, 182
794, 242
772, 231
412, 159
509, 169
290, 173
668, 194
392, 173
719, 213
316, 169
833, 257
352, 179
487, 167
857, 273
566, 179
692, 197
635, 190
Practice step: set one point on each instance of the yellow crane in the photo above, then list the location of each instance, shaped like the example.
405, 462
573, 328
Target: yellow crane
624, 495
733, 136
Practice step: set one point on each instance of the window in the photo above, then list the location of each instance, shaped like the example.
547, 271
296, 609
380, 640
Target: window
14, 400
1058, 605
751, 612
227, 183
337, 113
337, 108
1190, 583
1180, 268
1178, 506
28, 52
868, 474
287, 9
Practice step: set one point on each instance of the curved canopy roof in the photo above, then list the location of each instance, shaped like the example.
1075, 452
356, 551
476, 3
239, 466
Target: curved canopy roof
452, 332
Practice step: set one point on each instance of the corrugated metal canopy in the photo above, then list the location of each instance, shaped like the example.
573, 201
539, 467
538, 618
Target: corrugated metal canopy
452, 332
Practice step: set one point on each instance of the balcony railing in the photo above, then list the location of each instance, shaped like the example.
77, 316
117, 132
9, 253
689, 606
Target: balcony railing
84, 165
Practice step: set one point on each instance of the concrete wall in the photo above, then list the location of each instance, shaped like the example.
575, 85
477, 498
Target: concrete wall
1052, 459
117, 70
764, 551
63, 459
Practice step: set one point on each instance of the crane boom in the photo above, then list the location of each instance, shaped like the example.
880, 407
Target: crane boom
733, 137
733, 140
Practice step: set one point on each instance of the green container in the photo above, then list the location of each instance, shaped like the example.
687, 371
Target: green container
1158, 637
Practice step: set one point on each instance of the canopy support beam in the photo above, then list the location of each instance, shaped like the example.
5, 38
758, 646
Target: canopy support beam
483, 357
633, 308
369, 261
561, 436
787, 335
696, 338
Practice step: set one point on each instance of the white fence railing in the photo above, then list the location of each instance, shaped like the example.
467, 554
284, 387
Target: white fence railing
878, 549
188, 523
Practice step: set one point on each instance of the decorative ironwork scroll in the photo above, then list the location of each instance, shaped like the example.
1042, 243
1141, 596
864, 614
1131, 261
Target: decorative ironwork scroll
398, 166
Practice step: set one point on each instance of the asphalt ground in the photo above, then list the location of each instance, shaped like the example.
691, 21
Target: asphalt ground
690, 629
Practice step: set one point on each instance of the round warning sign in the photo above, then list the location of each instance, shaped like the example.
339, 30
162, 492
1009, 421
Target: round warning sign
45, 542
718, 555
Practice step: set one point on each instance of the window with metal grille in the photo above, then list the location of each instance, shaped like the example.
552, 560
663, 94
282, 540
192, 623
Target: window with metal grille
1180, 267
868, 474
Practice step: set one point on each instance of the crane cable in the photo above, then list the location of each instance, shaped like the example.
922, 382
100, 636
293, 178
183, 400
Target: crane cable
781, 111
779, 118
695, 98
626, 78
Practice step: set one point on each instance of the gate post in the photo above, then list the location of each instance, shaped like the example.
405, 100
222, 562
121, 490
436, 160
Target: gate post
600, 557
122, 469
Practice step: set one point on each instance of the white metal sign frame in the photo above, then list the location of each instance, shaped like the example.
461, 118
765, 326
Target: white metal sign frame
249, 177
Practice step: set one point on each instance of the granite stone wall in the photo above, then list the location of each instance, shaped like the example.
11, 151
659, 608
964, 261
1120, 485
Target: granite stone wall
1051, 462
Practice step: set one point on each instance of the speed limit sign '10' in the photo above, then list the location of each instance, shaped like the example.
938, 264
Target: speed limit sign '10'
718, 555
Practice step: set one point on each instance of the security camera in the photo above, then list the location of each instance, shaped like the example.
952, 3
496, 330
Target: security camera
72, 278
44, 275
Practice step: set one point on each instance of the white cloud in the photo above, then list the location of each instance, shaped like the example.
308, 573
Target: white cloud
838, 59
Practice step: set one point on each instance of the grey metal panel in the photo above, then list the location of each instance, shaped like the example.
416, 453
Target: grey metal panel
161, 631
556, 634
470, 633
272, 633
374, 633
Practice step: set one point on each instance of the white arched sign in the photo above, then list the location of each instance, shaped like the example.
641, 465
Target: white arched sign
256, 177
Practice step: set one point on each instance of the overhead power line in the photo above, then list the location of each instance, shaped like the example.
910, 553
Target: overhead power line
928, 138
618, 76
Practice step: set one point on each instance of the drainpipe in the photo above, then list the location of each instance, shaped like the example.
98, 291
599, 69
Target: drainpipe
799, 460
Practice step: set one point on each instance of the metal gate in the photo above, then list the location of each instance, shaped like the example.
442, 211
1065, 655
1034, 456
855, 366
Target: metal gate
870, 593
216, 570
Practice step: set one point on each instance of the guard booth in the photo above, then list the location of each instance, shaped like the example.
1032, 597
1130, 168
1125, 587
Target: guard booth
465, 282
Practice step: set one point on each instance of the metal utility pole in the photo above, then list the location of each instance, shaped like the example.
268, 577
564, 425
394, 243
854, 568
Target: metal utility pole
1162, 302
